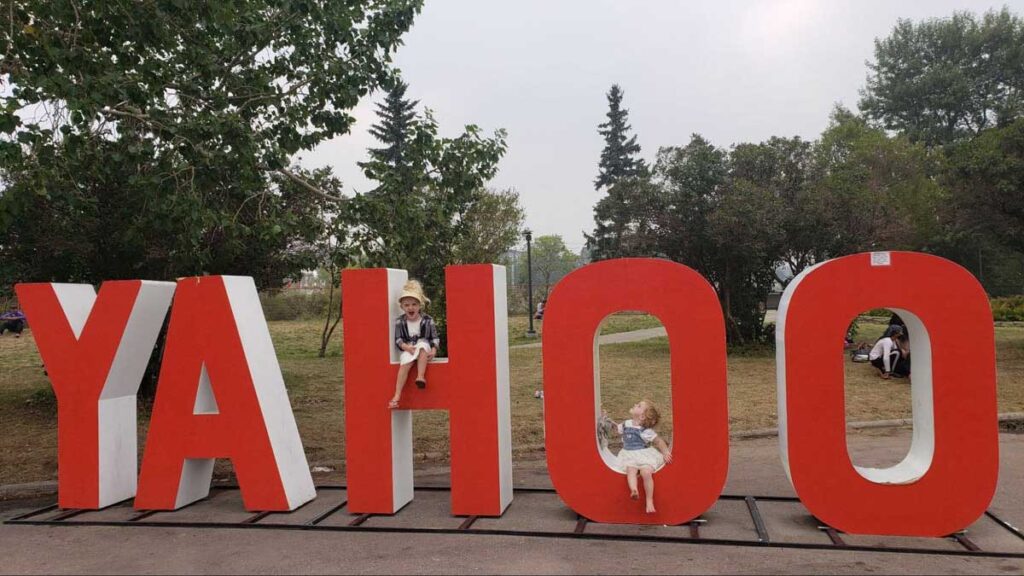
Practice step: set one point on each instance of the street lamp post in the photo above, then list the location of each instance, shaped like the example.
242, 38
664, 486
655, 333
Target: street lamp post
529, 281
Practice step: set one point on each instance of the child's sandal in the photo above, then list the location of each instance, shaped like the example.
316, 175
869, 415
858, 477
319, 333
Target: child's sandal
421, 383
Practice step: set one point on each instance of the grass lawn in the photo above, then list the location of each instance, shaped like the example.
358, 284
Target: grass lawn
628, 372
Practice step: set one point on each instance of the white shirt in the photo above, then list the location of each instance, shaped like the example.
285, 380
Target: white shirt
883, 349
414, 327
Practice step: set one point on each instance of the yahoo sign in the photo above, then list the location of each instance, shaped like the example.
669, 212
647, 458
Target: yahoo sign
221, 393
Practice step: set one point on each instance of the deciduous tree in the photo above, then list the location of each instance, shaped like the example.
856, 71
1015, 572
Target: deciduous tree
945, 80
551, 259
986, 177
150, 139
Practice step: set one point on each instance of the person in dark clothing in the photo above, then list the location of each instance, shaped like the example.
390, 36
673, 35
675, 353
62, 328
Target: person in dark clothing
897, 326
13, 321
895, 320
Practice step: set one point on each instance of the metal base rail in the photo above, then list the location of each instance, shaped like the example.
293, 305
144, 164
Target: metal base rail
579, 532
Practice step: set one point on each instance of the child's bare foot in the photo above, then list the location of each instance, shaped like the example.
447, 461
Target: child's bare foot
634, 495
650, 507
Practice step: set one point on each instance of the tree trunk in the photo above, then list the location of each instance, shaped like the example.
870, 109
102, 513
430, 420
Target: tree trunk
325, 335
732, 329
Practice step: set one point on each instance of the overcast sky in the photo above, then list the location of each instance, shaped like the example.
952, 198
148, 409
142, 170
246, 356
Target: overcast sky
732, 71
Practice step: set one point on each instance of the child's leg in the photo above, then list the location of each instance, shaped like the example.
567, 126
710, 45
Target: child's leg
403, 375
631, 480
648, 475
421, 366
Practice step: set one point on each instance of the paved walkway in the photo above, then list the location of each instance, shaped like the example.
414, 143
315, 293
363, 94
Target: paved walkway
634, 336
754, 469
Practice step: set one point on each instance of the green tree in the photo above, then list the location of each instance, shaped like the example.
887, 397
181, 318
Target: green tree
422, 210
691, 178
551, 260
944, 80
397, 116
619, 158
333, 250
491, 228
746, 236
882, 191
154, 138
785, 169
626, 220
986, 178
726, 226
985, 214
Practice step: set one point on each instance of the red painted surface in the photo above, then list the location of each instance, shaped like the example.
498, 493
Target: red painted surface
202, 331
465, 386
961, 481
78, 368
686, 305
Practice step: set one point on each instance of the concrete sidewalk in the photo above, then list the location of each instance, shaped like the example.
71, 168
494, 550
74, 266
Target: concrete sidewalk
619, 338
755, 469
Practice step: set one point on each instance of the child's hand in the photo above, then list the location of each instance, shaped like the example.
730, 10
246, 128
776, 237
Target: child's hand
407, 347
432, 353
668, 457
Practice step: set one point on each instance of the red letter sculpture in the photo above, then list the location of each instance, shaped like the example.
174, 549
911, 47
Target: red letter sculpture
687, 306
949, 476
221, 395
473, 385
95, 349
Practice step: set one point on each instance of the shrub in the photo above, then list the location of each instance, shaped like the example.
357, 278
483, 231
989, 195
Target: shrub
1008, 308
297, 304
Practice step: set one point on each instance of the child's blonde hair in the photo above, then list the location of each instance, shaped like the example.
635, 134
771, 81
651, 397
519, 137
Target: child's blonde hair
651, 416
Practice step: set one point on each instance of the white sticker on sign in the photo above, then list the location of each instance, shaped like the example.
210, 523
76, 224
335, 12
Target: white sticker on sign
881, 259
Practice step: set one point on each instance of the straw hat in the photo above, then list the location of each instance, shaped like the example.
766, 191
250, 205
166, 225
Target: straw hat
413, 289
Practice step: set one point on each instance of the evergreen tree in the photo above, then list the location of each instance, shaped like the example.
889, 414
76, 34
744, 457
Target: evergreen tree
618, 159
626, 221
397, 115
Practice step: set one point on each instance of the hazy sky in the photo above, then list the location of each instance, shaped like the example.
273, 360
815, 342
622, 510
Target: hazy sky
732, 71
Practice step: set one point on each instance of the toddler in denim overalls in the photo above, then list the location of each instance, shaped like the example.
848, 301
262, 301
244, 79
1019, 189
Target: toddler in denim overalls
643, 452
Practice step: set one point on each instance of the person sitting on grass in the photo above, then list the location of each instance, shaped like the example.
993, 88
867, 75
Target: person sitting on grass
890, 355
638, 456
416, 336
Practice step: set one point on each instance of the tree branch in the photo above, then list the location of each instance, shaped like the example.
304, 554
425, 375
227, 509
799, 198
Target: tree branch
308, 186
140, 116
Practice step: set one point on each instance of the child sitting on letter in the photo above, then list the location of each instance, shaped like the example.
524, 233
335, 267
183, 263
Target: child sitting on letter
637, 455
415, 336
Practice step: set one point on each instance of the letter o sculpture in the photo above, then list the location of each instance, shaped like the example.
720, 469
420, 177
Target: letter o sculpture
688, 307
949, 476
